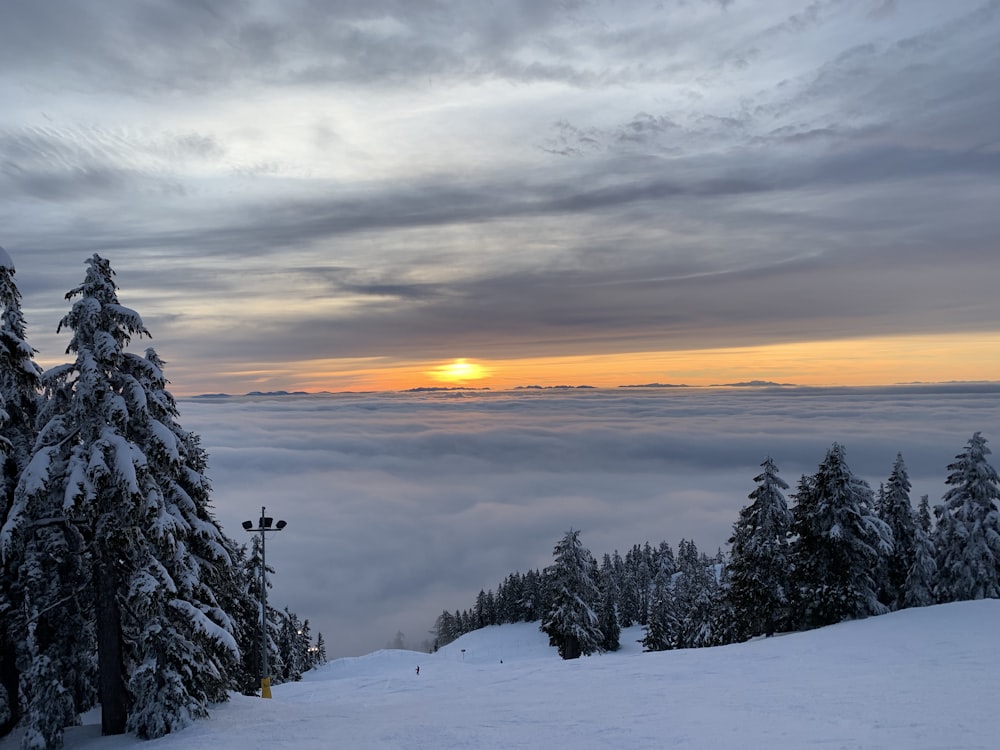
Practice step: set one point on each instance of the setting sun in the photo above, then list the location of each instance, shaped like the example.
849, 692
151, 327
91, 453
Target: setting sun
459, 371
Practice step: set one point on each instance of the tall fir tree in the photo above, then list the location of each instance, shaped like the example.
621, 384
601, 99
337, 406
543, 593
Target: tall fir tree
662, 624
694, 594
252, 639
571, 620
918, 591
19, 393
319, 653
608, 613
967, 536
838, 541
924, 519
723, 616
180, 646
113, 495
758, 570
898, 513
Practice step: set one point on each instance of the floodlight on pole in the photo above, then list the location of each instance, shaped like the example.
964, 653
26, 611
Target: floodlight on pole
263, 526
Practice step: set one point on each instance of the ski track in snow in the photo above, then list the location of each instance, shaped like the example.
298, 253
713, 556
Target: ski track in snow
925, 679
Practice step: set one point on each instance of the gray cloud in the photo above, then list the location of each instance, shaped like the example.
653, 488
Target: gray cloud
508, 179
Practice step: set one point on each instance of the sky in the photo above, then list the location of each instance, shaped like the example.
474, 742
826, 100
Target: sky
402, 505
922, 679
381, 195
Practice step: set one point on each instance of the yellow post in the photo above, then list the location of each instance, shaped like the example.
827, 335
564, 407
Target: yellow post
265, 687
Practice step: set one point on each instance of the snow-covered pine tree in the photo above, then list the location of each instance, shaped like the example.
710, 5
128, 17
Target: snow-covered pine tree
898, 513
19, 393
758, 570
80, 498
532, 603
636, 586
918, 590
319, 653
59, 650
694, 594
293, 647
967, 537
481, 611
508, 592
19, 383
446, 629
837, 543
607, 615
723, 618
250, 638
181, 652
113, 488
245, 613
662, 624
924, 519
570, 619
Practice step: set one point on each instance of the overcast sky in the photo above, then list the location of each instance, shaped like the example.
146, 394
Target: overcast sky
402, 505
345, 195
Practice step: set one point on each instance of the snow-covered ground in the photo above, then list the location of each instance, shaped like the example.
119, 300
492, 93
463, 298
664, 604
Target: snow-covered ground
927, 678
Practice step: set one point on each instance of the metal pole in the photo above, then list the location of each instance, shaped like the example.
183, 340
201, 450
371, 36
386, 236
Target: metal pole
265, 675
263, 526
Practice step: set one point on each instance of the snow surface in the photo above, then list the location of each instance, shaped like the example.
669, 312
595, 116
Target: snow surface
917, 679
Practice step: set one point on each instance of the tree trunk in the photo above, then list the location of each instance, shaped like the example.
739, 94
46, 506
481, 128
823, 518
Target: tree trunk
9, 678
111, 682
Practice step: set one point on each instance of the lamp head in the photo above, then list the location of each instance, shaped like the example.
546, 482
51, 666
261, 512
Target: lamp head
280, 525
247, 525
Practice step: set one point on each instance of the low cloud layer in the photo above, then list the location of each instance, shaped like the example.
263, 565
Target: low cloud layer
402, 505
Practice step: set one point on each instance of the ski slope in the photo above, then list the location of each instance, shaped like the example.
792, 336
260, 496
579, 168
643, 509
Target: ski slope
927, 678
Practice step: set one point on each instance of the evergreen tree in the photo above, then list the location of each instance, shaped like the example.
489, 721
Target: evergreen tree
918, 591
758, 571
608, 614
968, 528
294, 642
533, 602
723, 614
447, 628
838, 542
571, 620
660, 632
245, 611
637, 585
897, 512
694, 594
114, 490
662, 622
60, 667
251, 638
481, 611
924, 519
86, 476
179, 603
319, 653
19, 391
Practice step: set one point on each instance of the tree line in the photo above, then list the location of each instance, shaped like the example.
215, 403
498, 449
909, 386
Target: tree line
117, 584
841, 552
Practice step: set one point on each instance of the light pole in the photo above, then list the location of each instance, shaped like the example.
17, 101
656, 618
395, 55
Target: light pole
263, 526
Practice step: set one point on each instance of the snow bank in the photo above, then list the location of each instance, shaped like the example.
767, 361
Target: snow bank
917, 679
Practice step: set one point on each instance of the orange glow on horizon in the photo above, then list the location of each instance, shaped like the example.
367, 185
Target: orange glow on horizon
849, 362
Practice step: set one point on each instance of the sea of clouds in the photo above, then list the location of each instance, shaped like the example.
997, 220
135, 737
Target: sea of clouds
400, 505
